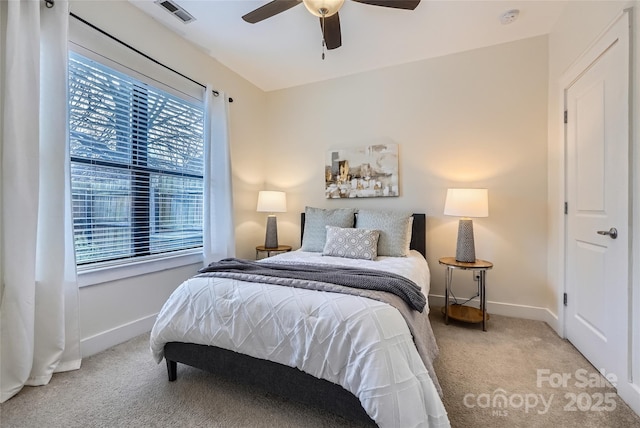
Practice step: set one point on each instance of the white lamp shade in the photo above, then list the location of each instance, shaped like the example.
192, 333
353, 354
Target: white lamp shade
326, 7
467, 203
270, 201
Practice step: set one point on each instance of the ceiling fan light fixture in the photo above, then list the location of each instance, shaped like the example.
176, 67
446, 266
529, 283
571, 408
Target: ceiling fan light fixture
323, 8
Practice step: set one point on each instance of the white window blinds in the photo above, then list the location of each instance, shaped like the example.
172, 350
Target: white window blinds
136, 166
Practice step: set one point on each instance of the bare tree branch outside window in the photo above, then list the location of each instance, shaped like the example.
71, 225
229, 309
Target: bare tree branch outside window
137, 166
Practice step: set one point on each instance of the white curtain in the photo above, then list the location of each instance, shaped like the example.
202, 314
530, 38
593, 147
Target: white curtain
39, 307
219, 231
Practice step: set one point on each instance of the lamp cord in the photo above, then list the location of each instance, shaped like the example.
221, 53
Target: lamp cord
476, 278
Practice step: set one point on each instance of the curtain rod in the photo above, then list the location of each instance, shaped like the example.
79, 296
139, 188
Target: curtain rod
50, 3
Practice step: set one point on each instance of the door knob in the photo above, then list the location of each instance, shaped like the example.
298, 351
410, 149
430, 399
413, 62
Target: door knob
613, 232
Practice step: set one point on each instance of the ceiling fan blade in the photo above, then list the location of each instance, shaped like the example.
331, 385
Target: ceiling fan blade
396, 4
270, 9
332, 34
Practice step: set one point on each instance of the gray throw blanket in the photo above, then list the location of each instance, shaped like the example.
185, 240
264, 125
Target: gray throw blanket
418, 322
368, 279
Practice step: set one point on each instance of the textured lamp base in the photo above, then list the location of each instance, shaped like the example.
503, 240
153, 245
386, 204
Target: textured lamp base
465, 249
271, 237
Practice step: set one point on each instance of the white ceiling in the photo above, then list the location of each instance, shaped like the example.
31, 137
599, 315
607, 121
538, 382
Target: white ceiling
285, 50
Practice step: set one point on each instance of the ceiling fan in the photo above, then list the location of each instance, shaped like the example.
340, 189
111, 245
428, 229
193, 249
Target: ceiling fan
326, 10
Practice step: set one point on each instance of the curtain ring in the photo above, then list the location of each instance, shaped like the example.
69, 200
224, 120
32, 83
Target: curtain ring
49, 3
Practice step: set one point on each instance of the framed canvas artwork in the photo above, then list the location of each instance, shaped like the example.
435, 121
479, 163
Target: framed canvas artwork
362, 172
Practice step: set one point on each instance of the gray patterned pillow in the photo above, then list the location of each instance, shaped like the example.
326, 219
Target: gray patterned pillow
394, 227
351, 243
315, 222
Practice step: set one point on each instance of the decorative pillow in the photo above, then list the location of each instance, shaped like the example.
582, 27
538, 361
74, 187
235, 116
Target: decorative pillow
395, 230
315, 222
351, 243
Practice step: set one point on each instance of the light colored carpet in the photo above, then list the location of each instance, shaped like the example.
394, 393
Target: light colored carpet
504, 361
123, 387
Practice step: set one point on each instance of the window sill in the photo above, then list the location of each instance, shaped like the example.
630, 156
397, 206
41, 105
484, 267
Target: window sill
102, 274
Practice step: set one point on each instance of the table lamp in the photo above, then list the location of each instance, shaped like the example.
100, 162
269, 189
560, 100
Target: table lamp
272, 202
466, 203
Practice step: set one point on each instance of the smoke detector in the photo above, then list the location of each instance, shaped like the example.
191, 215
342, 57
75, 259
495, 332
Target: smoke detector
176, 10
509, 16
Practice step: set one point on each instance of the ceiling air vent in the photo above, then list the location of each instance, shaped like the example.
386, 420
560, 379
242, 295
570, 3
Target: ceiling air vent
175, 10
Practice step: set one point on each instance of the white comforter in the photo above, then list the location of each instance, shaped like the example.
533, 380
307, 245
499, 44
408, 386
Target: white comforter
359, 343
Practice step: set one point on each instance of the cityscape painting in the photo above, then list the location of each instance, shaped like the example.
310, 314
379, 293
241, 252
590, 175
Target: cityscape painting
362, 172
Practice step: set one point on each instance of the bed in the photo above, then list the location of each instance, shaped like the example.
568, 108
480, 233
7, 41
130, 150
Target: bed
349, 354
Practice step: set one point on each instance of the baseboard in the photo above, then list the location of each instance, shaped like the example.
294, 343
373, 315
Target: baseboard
630, 394
511, 310
105, 340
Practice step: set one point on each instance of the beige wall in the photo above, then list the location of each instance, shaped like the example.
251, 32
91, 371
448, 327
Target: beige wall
479, 118
476, 119
115, 311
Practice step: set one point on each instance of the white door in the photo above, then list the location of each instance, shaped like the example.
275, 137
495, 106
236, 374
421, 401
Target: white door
597, 259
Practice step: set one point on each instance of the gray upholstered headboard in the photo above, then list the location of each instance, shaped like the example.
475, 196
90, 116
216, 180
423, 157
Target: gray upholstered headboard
418, 233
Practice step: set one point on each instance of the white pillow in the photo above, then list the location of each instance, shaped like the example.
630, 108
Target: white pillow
351, 243
315, 222
395, 230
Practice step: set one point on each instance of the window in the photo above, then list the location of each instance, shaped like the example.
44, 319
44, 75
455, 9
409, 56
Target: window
136, 166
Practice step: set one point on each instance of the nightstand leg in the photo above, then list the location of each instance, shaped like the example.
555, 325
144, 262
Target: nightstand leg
483, 299
447, 287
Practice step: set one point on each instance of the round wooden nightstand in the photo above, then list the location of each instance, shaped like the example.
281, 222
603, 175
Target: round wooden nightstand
272, 251
461, 312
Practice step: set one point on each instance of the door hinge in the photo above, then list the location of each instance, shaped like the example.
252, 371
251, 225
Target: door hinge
565, 299
566, 116
566, 207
